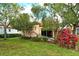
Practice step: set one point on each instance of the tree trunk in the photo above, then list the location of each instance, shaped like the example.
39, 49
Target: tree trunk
74, 29
5, 33
24, 34
55, 34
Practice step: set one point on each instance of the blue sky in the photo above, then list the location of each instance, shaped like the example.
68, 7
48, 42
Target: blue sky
27, 7
25, 4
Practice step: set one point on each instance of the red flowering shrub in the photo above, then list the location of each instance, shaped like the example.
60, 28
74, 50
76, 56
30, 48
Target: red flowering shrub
66, 39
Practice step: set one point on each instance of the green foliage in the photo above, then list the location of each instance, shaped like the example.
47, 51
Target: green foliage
36, 10
10, 35
39, 39
50, 24
68, 12
7, 11
22, 22
58, 7
39, 11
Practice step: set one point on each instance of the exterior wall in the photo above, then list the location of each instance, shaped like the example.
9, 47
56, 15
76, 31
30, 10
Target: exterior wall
9, 31
37, 29
77, 31
13, 31
35, 32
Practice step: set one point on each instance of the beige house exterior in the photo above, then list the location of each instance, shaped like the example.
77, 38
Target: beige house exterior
36, 31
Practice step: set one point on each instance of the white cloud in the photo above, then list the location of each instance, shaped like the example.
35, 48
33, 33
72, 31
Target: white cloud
27, 10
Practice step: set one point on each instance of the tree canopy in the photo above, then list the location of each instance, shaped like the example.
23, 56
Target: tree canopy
22, 23
50, 24
7, 13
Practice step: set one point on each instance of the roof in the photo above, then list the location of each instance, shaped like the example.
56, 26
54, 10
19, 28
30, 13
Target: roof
40, 24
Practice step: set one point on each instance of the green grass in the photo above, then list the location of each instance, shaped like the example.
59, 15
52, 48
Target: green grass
20, 47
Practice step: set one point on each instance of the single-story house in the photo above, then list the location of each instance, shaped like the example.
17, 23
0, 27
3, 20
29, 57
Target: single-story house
9, 30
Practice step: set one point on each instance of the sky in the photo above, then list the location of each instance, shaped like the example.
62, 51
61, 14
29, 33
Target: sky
25, 4
28, 6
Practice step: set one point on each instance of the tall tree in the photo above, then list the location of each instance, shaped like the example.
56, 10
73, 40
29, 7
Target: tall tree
39, 11
7, 12
23, 23
69, 12
42, 11
50, 24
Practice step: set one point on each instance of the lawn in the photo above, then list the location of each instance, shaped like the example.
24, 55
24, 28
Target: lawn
20, 47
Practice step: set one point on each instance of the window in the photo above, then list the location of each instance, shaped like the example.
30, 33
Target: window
9, 30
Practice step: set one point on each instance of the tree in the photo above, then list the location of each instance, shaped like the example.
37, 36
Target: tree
69, 13
23, 23
42, 11
50, 24
73, 15
39, 11
36, 10
7, 12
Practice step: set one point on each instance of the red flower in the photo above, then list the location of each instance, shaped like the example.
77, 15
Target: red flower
66, 36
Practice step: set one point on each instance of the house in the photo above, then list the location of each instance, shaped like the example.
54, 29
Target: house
9, 30
77, 29
36, 31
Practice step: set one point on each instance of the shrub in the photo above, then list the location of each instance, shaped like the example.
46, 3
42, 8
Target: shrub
10, 35
13, 35
1, 35
36, 39
39, 39
66, 39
